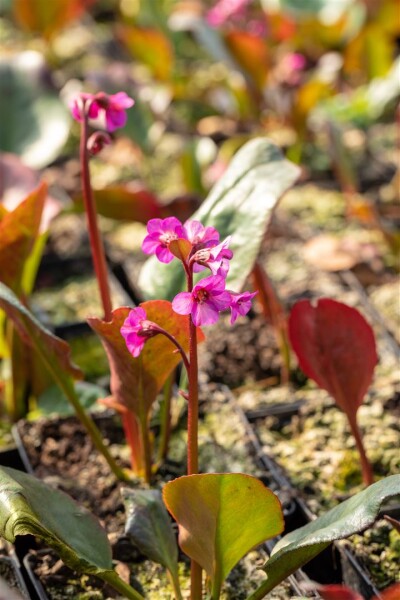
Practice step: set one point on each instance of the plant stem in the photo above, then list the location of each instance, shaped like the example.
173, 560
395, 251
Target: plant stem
165, 418
145, 442
132, 436
366, 468
96, 244
192, 445
118, 584
173, 577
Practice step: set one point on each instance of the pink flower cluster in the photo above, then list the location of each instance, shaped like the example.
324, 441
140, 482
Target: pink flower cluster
112, 107
209, 296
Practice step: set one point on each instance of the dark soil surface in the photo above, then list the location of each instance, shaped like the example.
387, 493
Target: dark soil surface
62, 455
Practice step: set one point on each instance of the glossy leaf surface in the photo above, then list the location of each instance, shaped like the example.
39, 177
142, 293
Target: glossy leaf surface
240, 205
19, 230
221, 517
28, 506
335, 346
351, 516
125, 203
135, 382
149, 526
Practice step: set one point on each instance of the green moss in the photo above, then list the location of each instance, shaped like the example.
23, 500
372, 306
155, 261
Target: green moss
348, 472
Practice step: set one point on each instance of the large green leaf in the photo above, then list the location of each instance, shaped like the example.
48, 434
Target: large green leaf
240, 205
298, 547
221, 517
149, 526
28, 506
34, 122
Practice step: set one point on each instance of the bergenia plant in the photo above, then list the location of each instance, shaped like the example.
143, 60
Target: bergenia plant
197, 248
335, 346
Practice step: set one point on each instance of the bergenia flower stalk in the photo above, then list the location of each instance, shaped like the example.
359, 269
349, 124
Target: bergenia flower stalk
83, 108
204, 303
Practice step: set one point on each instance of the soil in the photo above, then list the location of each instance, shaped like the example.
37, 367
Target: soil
62, 456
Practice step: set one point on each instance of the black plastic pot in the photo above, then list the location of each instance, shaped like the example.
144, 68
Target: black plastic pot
336, 564
11, 574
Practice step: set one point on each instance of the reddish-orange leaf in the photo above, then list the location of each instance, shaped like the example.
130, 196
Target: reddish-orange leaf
149, 46
335, 346
18, 232
251, 52
37, 336
337, 592
391, 593
135, 382
48, 16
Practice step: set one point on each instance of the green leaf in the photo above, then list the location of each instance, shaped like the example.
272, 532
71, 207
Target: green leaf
35, 124
149, 526
53, 400
240, 205
28, 506
298, 547
221, 517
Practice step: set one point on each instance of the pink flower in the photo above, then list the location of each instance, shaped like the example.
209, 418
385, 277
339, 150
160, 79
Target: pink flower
112, 107
207, 299
199, 235
78, 103
224, 9
216, 258
137, 329
240, 304
133, 324
160, 233
115, 110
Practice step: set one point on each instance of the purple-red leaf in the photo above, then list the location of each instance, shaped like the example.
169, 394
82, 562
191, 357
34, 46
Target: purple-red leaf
335, 347
135, 382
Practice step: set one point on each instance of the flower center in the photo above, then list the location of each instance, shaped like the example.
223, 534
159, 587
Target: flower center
166, 238
202, 296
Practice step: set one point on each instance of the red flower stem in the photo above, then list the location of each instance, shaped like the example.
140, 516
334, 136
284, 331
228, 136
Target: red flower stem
196, 591
179, 347
96, 244
366, 468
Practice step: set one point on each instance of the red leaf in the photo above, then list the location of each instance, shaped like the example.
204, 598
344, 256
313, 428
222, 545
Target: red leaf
18, 232
338, 592
335, 347
135, 382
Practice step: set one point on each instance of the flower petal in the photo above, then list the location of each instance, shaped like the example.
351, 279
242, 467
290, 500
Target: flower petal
183, 303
